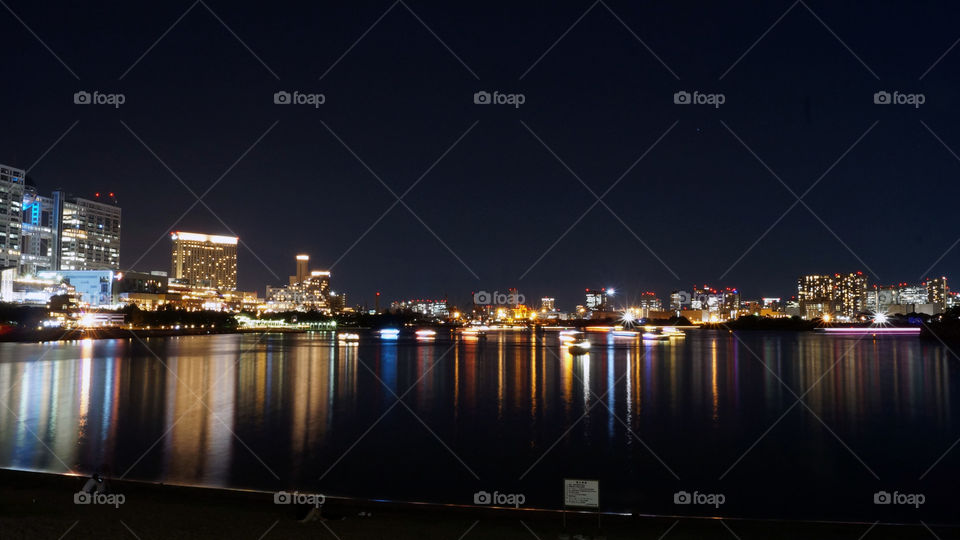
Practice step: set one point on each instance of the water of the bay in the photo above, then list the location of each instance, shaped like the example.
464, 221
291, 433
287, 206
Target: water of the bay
782, 425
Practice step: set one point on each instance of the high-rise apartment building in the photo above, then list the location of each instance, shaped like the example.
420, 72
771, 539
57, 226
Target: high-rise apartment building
839, 294
937, 292
815, 295
202, 260
851, 292
11, 201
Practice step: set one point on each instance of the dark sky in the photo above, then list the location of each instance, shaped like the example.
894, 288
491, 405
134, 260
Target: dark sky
799, 99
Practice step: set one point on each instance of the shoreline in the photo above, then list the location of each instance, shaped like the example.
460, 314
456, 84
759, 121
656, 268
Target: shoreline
56, 335
45, 336
40, 504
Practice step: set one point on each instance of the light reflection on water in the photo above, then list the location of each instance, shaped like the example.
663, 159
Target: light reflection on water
281, 411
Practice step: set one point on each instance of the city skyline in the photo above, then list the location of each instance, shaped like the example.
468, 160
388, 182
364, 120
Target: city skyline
505, 181
55, 233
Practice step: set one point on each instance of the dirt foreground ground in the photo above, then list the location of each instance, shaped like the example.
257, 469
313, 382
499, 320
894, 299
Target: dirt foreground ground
35, 506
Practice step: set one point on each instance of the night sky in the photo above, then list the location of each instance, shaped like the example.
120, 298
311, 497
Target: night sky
201, 98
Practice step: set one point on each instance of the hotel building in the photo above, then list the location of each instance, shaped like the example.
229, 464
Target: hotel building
307, 291
202, 260
303, 269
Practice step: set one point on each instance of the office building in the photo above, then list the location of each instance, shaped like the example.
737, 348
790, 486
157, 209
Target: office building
930, 297
912, 294
596, 300
202, 260
337, 302
94, 288
679, 300
40, 232
648, 303
716, 304
11, 201
435, 309
548, 304
89, 232
881, 297
771, 303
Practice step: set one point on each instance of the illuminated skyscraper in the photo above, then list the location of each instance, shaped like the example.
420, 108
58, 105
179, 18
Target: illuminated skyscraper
303, 269
89, 232
649, 302
937, 292
39, 234
202, 260
679, 300
851, 292
840, 294
815, 295
307, 291
11, 200
596, 300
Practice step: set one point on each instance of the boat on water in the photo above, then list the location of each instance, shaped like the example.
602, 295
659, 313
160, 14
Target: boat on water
426, 334
389, 333
473, 334
348, 337
653, 333
673, 331
578, 346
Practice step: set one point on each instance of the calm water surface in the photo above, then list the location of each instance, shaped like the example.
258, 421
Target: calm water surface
713, 413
